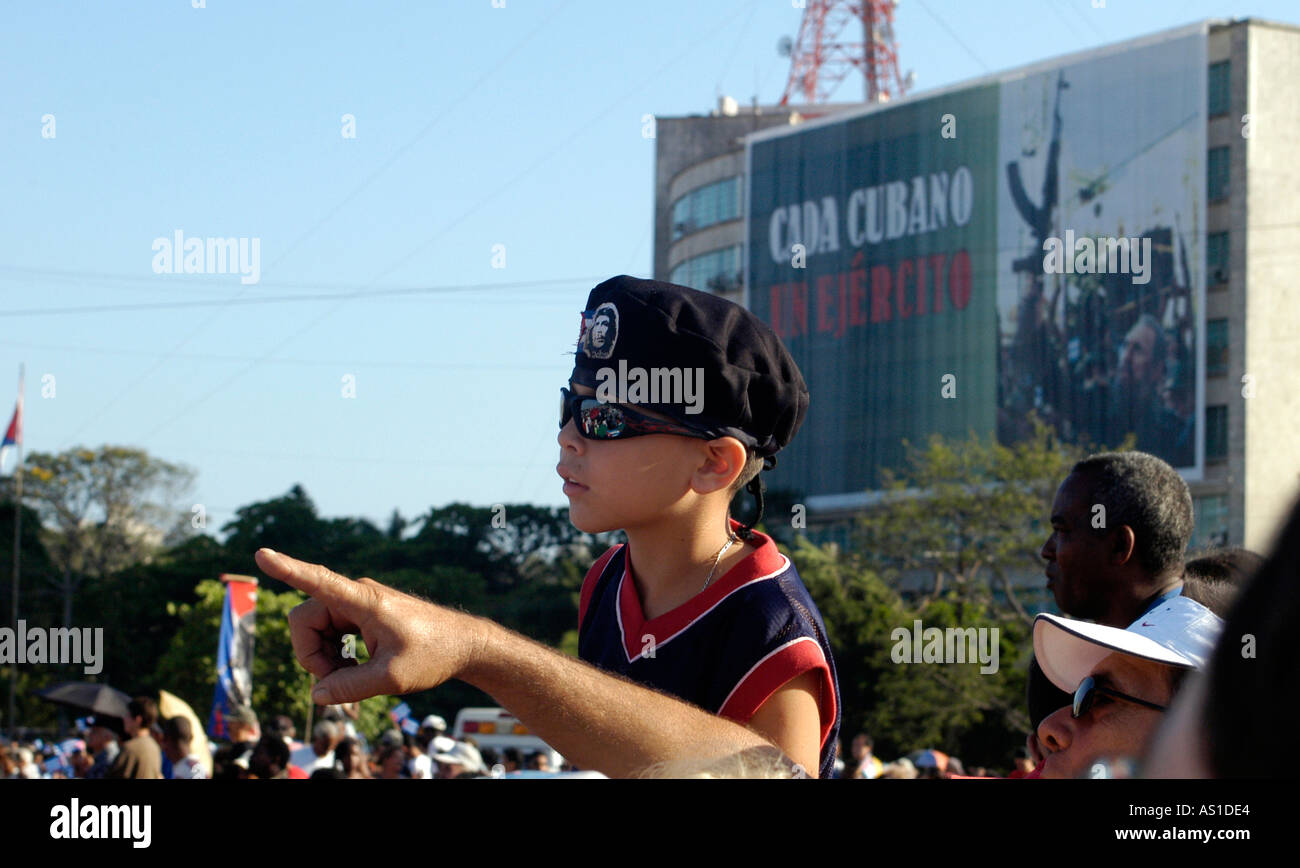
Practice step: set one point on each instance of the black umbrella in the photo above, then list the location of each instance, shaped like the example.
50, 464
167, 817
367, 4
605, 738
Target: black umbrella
83, 695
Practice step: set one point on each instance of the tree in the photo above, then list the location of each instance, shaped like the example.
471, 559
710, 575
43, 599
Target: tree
963, 517
288, 523
38, 603
280, 685
104, 510
953, 707
859, 611
954, 526
496, 541
133, 607
291, 524
396, 526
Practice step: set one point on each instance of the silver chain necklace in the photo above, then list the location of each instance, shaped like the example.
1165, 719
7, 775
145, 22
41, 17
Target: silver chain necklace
717, 560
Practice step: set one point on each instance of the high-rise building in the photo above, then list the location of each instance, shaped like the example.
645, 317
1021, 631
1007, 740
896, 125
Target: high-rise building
1108, 240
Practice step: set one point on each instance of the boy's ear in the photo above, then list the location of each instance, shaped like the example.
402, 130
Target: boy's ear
724, 460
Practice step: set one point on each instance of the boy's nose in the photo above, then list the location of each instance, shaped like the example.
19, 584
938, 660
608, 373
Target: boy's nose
569, 437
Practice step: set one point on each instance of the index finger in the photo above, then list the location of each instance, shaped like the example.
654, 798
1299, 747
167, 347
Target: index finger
316, 581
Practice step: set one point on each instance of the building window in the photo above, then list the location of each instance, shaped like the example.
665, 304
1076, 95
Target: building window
718, 271
1216, 182
1216, 258
1219, 96
1211, 522
1216, 348
710, 204
1216, 433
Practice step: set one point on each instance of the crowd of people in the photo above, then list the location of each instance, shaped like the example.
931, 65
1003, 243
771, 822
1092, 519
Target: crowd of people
144, 746
1125, 681
167, 752
1105, 675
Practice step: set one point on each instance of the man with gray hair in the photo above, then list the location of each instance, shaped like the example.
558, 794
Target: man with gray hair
1120, 526
320, 753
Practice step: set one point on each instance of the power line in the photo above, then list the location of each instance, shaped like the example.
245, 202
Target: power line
1056, 10
1085, 18
512, 184
429, 127
631, 263
353, 363
740, 36
954, 35
439, 117
358, 459
274, 299
151, 282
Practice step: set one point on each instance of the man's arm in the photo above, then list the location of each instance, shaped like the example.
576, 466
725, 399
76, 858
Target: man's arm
595, 719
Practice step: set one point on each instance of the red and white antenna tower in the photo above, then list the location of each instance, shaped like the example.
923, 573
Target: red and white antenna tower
821, 57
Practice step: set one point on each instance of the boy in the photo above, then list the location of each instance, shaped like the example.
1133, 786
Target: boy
711, 612
695, 604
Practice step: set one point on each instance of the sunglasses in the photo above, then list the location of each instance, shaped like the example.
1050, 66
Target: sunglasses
597, 420
1088, 690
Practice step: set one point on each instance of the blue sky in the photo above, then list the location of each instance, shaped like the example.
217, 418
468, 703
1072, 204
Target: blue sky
475, 126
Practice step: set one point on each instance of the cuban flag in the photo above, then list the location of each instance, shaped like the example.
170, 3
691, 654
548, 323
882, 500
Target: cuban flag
14, 434
234, 653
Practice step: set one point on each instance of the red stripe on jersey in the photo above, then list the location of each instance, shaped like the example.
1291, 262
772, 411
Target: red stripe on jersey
763, 563
589, 583
775, 671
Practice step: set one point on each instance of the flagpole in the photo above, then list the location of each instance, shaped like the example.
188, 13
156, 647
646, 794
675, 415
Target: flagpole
10, 720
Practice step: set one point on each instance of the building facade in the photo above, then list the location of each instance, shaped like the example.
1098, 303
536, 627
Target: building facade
699, 215
1224, 224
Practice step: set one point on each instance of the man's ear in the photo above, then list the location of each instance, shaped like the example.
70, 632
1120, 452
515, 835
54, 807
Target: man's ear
724, 460
1125, 545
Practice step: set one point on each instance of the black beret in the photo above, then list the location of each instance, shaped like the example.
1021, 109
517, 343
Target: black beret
752, 388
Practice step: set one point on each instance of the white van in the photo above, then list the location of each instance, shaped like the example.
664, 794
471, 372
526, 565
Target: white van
497, 729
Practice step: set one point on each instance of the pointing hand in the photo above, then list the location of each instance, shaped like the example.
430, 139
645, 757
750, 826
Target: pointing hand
414, 645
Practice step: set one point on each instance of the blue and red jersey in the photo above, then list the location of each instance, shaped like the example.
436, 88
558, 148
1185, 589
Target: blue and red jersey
727, 649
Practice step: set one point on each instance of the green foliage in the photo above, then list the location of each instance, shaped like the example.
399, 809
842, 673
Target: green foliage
92, 556
524, 574
859, 611
943, 546
952, 706
963, 517
280, 685
38, 598
945, 557
100, 511
569, 643
30, 710
906, 707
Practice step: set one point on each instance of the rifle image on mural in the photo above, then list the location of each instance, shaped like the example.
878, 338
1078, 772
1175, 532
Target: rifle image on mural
1100, 341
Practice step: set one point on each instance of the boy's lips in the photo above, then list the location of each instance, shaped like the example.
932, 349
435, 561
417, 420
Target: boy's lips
571, 484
